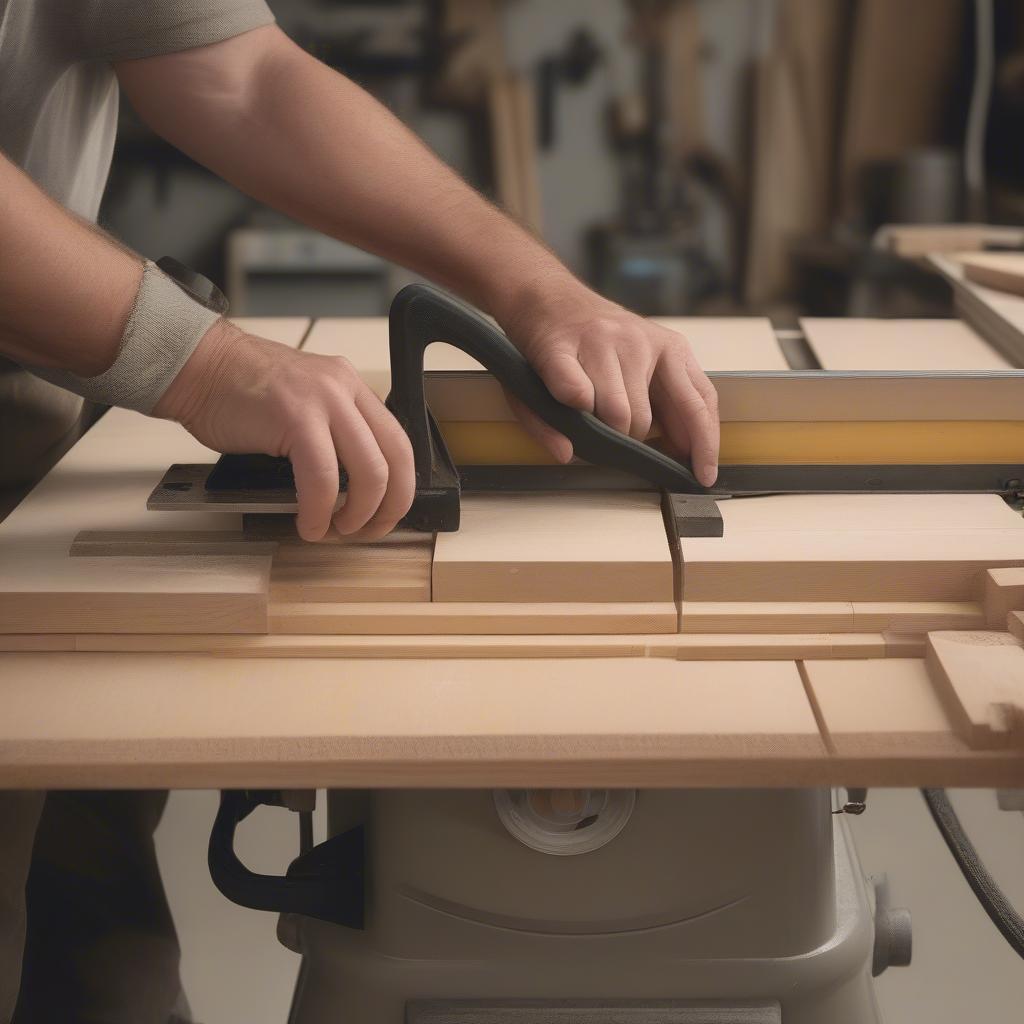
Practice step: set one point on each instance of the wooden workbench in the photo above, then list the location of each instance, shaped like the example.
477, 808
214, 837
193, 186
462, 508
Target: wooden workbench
554, 640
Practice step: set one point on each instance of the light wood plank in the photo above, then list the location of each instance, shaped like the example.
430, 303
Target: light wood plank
979, 676
572, 547
880, 709
858, 548
156, 719
1001, 270
1004, 593
1015, 625
766, 616
873, 344
455, 617
917, 616
729, 343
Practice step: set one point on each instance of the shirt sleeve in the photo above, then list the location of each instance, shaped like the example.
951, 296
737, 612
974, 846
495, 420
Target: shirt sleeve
129, 29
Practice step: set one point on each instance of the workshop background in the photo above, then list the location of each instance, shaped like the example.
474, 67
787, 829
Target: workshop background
687, 157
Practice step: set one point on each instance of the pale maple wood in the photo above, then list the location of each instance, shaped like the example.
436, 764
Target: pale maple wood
500, 618
729, 343
150, 543
766, 616
916, 616
182, 720
888, 709
558, 547
1004, 593
858, 548
874, 344
979, 677
1001, 270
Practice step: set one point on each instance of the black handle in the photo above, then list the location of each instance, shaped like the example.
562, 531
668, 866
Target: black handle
325, 883
421, 315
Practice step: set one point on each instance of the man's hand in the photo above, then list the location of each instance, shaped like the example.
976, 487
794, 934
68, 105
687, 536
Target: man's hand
239, 393
596, 356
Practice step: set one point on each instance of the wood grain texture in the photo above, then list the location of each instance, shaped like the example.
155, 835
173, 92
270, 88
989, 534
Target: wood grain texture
858, 548
571, 547
979, 677
766, 616
159, 720
1004, 593
873, 344
453, 617
885, 709
1015, 625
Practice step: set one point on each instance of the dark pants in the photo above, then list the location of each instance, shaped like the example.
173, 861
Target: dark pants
86, 936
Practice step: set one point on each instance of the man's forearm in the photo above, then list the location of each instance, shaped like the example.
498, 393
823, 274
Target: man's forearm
307, 141
66, 289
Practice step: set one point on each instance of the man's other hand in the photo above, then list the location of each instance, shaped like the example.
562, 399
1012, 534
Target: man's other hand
240, 393
629, 372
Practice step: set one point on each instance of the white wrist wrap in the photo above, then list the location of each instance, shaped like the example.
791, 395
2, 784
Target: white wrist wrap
163, 330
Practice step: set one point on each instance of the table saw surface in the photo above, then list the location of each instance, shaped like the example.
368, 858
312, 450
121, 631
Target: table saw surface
556, 639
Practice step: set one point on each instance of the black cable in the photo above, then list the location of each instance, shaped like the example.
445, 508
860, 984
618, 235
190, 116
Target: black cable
992, 899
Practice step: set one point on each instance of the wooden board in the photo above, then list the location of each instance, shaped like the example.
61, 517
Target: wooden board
729, 343
1001, 270
592, 547
891, 710
857, 548
979, 677
102, 484
872, 344
1004, 593
179, 722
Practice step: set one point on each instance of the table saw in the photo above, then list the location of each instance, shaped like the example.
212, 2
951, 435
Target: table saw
580, 766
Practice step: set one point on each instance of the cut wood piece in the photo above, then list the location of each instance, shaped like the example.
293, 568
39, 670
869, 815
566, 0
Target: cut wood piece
872, 344
395, 568
916, 616
560, 547
859, 513
171, 594
1004, 593
758, 646
980, 679
855, 548
852, 567
1001, 270
135, 543
879, 709
178, 720
766, 616
462, 618
729, 343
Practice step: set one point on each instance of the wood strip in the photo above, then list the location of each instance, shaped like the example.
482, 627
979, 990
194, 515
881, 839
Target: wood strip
500, 618
168, 718
1015, 625
872, 344
150, 543
729, 343
979, 677
916, 616
1001, 270
1004, 593
766, 616
571, 547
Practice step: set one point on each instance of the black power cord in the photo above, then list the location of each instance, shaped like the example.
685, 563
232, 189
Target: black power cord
992, 899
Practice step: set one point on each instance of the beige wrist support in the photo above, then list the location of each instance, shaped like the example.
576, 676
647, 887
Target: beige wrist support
163, 330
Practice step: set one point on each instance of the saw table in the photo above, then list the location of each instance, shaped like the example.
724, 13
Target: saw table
715, 686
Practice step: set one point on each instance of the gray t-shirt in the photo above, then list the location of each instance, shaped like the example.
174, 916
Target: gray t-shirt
58, 119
